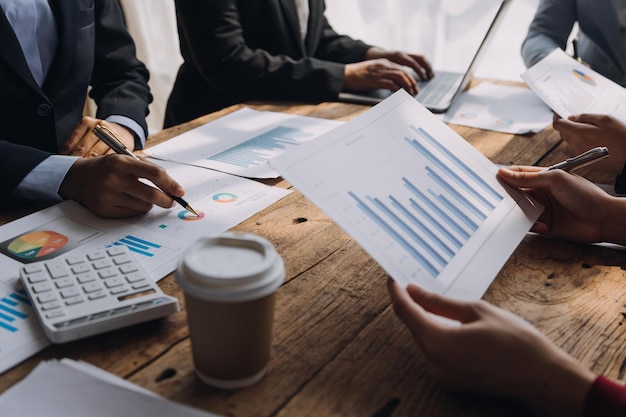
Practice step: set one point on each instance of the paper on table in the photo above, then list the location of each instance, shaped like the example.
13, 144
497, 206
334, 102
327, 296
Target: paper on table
423, 202
501, 108
157, 239
571, 88
242, 142
74, 389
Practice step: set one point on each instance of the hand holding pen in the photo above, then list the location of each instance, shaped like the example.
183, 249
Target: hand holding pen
109, 138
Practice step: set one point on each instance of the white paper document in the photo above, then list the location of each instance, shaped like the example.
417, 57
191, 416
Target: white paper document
423, 202
571, 88
243, 142
68, 388
157, 239
500, 108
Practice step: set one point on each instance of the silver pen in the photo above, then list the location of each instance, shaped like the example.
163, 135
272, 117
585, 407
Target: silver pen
107, 136
584, 159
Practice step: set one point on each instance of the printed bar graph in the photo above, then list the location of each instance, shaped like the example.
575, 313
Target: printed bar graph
138, 245
433, 221
258, 150
10, 310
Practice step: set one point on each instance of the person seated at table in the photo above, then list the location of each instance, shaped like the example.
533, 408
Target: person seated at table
498, 353
585, 131
601, 34
236, 51
51, 53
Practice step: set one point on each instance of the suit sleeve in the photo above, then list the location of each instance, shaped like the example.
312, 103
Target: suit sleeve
605, 399
17, 161
119, 81
213, 44
549, 29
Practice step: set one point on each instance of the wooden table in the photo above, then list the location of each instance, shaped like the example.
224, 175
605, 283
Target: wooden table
338, 349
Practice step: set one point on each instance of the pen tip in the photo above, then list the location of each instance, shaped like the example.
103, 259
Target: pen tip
191, 209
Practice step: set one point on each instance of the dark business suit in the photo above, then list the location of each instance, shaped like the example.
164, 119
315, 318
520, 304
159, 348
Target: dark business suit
238, 50
94, 49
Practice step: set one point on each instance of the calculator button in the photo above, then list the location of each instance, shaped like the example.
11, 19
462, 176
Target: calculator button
42, 287
134, 277
29, 269
74, 300
70, 292
127, 269
141, 284
113, 282
97, 295
55, 313
92, 287
107, 273
101, 264
37, 277
57, 269
75, 259
80, 268
116, 250
84, 278
95, 255
121, 259
46, 297
120, 290
51, 305
64, 282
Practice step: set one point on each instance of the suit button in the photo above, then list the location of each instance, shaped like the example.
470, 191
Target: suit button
44, 110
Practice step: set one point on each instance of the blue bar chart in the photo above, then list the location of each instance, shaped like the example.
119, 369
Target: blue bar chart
13, 310
259, 149
137, 245
432, 214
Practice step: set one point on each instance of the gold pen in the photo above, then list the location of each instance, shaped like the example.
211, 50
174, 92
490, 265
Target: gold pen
107, 136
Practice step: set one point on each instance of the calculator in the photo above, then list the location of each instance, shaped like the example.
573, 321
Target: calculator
82, 294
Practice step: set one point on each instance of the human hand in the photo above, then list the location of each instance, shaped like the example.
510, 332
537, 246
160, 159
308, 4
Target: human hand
375, 74
586, 131
575, 209
417, 63
492, 351
83, 142
109, 185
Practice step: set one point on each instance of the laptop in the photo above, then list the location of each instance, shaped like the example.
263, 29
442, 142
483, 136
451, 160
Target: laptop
451, 78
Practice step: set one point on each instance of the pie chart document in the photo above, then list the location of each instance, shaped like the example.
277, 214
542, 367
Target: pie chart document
424, 203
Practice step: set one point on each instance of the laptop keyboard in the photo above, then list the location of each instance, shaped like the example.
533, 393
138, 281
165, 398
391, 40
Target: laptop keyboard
439, 90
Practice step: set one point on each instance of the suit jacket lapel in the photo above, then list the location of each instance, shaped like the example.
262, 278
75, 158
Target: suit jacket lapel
11, 53
66, 14
289, 8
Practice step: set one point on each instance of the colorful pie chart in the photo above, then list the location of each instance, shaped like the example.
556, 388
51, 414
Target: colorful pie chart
37, 244
189, 216
583, 77
224, 197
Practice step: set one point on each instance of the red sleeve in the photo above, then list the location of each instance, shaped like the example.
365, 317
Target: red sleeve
605, 399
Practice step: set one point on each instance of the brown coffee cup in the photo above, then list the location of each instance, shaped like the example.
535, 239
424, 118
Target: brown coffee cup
229, 281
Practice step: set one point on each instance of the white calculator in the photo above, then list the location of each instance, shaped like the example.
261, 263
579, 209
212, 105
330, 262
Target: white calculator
83, 294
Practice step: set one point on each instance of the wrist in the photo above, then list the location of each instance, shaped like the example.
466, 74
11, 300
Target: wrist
374, 53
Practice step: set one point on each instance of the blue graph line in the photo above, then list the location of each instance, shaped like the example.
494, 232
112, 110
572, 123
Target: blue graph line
458, 162
437, 210
137, 245
251, 152
455, 193
442, 245
462, 216
8, 327
402, 225
399, 239
432, 158
12, 311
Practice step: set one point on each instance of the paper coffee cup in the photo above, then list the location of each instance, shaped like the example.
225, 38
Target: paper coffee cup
229, 281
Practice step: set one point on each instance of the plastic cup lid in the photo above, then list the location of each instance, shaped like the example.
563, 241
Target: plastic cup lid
230, 266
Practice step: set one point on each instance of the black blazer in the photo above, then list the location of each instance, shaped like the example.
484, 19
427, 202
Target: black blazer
94, 49
238, 50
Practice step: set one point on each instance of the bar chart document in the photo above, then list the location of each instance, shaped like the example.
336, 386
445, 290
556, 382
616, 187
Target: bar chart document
423, 202
570, 88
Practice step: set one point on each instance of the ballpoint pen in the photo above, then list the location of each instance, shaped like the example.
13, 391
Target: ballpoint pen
107, 136
576, 50
584, 159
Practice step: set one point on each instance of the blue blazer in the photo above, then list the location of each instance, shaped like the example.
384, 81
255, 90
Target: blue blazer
239, 50
94, 50
599, 36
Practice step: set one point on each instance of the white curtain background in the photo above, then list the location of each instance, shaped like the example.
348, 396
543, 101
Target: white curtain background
396, 24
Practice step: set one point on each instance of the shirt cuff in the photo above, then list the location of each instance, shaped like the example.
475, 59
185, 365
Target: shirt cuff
132, 126
43, 182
